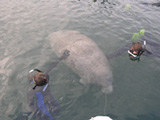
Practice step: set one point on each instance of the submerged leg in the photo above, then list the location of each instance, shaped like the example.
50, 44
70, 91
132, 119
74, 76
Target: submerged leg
41, 105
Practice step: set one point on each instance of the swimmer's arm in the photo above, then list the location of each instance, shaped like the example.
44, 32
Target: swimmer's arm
149, 40
154, 44
119, 52
152, 55
148, 52
54, 64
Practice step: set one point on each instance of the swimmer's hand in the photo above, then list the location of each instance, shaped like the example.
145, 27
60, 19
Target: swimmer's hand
66, 54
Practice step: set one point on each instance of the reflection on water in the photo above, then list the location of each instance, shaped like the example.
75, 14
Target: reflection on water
24, 30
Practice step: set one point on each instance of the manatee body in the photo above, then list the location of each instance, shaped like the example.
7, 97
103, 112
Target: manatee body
85, 58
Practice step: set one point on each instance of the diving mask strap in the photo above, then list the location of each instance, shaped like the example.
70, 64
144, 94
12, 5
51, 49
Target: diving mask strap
34, 87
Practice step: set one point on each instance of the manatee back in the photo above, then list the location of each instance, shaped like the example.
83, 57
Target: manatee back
85, 58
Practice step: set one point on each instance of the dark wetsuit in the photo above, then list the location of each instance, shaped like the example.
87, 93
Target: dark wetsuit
42, 103
150, 49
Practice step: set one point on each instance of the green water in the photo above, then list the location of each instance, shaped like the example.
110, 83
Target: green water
24, 44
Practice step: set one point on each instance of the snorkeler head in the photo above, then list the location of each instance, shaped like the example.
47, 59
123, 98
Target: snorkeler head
40, 79
136, 48
135, 51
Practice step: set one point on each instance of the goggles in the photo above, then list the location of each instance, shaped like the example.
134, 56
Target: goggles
135, 56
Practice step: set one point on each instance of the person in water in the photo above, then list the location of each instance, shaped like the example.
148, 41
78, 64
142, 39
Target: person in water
39, 79
41, 102
136, 50
142, 47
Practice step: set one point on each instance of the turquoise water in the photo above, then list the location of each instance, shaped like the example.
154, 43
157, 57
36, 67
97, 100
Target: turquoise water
24, 44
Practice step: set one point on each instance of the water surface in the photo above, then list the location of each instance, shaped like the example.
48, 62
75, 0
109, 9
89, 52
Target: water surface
24, 44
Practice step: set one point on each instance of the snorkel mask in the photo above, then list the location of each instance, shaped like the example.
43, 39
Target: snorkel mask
133, 57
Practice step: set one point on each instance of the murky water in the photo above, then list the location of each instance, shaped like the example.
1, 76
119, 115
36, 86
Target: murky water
24, 44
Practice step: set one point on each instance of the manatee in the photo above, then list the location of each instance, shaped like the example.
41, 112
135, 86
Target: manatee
85, 58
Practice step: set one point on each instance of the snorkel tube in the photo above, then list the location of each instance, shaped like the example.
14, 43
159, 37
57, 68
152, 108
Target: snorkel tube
32, 70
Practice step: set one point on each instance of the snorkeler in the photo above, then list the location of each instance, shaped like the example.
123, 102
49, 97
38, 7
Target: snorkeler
138, 48
46, 105
39, 89
39, 79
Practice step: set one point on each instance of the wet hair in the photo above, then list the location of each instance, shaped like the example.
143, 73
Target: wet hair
137, 46
40, 79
